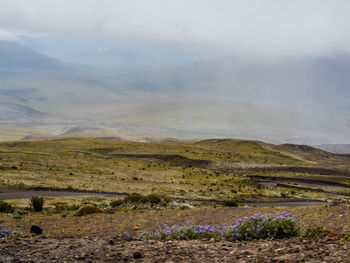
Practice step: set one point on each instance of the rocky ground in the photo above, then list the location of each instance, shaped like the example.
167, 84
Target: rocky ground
97, 237
44, 249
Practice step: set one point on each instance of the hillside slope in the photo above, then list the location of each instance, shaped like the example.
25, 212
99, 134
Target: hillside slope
16, 57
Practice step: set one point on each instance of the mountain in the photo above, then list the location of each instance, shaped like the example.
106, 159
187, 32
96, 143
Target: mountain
16, 57
297, 100
117, 54
113, 58
299, 80
336, 148
11, 111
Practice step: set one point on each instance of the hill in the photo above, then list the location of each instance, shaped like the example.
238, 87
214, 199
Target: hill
16, 57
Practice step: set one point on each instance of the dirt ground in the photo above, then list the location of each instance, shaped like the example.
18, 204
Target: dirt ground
97, 238
116, 250
334, 218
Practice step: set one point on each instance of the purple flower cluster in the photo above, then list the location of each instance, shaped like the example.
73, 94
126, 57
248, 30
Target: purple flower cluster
255, 227
4, 232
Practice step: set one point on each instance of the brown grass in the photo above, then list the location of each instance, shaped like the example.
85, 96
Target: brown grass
336, 218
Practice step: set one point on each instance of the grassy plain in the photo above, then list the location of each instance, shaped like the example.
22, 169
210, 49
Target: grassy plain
208, 169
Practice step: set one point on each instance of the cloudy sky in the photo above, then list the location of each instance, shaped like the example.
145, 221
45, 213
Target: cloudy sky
281, 27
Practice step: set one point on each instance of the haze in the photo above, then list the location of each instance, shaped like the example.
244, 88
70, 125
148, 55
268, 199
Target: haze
271, 70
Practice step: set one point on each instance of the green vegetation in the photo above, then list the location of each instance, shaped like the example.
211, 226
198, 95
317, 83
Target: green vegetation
37, 203
230, 203
209, 169
317, 231
346, 237
90, 209
256, 227
136, 201
6, 207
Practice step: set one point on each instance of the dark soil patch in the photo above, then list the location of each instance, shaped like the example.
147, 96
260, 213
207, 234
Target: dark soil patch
172, 159
295, 169
298, 180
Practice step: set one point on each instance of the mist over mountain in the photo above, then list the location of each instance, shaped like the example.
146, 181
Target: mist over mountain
16, 57
301, 100
119, 55
320, 80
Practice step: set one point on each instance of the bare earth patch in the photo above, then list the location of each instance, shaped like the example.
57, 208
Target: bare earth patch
117, 250
97, 238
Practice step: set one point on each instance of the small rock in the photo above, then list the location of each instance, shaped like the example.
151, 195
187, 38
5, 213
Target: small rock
137, 255
111, 242
126, 235
36, 230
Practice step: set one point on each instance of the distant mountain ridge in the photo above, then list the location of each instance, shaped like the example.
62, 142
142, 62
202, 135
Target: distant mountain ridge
322, 80
256, 98
13, 56
336, 148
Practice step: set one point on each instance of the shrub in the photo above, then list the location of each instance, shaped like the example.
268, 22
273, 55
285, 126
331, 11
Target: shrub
255, 227
284, 195
230, 203
6, 207
134, 198
153, 199
90, 209
37, 203
136, 201
117, 203
346, 237
60, 207
261, 227
316, 232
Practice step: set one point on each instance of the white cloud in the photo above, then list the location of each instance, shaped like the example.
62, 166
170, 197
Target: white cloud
248, 26
4, 35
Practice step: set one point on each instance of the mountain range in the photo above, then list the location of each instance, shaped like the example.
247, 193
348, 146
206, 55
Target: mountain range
301, 100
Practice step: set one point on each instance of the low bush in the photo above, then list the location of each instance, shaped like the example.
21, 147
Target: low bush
18, 214
255, 227
138, 201
230, 203
117, 203
37, 203
6, 207
153, 199
90, 209
346, 237
316, 232
135, 198
64, 207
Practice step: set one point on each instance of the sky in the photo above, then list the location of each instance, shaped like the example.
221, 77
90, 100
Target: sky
252, 27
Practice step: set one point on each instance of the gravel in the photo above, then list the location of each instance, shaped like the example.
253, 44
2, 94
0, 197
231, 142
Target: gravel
116, 249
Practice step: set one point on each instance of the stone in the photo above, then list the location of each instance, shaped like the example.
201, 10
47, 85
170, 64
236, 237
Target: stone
36, 230
126, 235
137, 255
